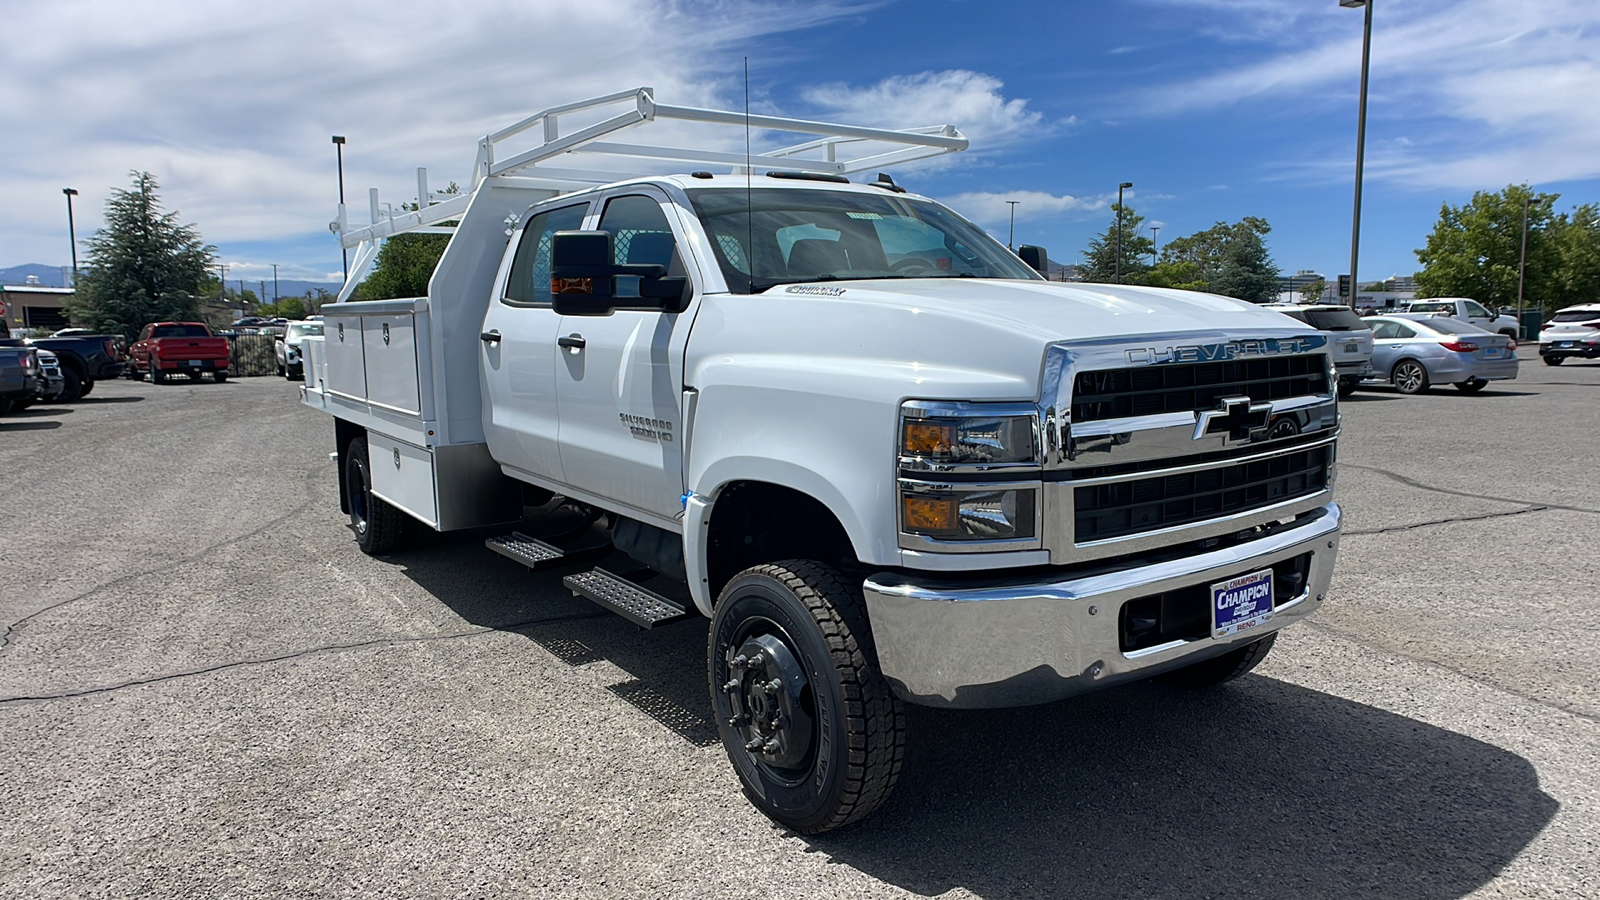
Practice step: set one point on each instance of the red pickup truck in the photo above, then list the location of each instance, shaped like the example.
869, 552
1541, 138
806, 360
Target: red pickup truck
172, 348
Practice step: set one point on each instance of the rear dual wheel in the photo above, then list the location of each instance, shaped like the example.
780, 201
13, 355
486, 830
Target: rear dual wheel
807, 720
379, 527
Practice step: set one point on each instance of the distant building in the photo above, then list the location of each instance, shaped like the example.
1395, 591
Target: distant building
1291, 287
32, 305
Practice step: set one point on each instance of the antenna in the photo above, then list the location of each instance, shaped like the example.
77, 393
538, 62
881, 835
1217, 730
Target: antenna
749, 205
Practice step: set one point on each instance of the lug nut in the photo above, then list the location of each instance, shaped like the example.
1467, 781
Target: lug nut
771, 687
771, 746
738, 721
738, 662
731, 686
753, 745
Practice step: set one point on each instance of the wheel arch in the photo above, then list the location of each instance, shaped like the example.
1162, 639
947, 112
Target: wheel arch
747, 521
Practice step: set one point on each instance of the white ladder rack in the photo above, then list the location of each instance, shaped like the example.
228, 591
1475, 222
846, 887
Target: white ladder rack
536, 168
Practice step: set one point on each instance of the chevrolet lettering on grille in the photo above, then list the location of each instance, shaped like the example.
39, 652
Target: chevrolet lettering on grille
1195, 353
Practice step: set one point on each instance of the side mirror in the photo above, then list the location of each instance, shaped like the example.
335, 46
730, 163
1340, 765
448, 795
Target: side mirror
583, 278
1036, 258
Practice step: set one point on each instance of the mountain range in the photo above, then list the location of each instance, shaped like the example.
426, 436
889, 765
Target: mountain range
52, 276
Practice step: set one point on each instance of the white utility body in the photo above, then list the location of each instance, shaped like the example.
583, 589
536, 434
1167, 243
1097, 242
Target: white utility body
889, 460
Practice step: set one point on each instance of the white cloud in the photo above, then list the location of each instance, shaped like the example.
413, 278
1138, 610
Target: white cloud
993, 210
1464, 94
231, 105
972, 100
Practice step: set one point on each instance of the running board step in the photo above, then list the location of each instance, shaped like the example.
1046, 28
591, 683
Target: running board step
526, 550
639, 605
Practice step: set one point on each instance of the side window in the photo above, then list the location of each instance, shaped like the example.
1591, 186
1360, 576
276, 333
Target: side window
1404, 331
640, 233
529, 281
1476, 309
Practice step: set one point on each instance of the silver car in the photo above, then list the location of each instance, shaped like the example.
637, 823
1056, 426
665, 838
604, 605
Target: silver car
1415, 352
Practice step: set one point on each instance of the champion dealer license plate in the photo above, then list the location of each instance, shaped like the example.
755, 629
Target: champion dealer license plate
1241, 604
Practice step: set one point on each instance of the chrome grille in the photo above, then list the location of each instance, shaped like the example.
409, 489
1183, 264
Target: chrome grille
1123, 508
1153, 390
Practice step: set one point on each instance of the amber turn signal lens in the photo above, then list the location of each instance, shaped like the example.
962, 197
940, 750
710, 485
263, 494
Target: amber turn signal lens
929, 438
929, 514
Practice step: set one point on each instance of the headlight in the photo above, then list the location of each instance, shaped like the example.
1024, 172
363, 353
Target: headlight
976, 515
940, 436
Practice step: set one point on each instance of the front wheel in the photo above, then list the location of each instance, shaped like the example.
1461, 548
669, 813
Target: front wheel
72, 389
1471, 385
156, 376
1410, 377
88, 385
1552, 360
379, 527
1220, 669
808, 721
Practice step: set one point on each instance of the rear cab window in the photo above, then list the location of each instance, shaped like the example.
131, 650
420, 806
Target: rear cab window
1333, 320
166, 331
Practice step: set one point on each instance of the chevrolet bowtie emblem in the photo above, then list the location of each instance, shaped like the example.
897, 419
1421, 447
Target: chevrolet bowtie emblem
1236, 417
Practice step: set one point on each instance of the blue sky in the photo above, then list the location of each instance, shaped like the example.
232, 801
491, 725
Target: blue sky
1214, 109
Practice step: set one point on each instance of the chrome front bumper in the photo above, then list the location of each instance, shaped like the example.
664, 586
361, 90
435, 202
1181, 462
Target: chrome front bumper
1016, 643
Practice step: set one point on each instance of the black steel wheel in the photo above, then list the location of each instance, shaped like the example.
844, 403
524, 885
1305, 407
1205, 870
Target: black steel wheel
1410, 377
808, 721
1471, 385
379, 527
1220, 669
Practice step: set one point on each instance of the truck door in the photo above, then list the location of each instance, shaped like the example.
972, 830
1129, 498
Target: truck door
620, 376
518, 353
1478, 315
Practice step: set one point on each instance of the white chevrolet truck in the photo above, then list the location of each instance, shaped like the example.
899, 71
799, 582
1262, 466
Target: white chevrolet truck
888, 460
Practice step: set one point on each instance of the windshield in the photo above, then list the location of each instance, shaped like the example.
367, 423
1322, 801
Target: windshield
809, 235
303, 329
165, 331
1333, 319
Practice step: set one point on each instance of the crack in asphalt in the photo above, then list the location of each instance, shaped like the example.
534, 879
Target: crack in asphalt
5, 638
1350, 532
1352, 637
310, 651
1411, 482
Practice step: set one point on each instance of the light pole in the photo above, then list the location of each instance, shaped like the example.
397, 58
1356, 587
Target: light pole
1154, 230
72, 234
1361, 142
274, 283
338, 143
1011, 238
1522, 263
1120, 188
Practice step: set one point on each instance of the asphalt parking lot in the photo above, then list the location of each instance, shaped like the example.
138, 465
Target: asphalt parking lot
206, 690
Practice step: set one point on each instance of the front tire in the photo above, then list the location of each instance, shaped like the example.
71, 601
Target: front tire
808, 721
88, 386
379, 527
1410, 377
1220, 669
72, 389
156, 377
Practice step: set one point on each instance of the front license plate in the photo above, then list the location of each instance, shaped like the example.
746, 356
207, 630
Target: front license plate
1241, 603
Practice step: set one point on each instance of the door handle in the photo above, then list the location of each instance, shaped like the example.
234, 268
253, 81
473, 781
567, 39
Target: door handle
490, 337
573, 342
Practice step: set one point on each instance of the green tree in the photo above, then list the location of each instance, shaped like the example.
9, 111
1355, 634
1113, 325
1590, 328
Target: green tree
1474, 249
1100, 260
1311, 293
1224, 259
143, 266
405, 263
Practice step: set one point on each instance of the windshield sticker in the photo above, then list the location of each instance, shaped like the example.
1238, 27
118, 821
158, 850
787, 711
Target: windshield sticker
863, 215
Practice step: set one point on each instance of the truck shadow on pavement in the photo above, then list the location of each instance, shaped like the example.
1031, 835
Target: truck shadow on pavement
1260, 789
